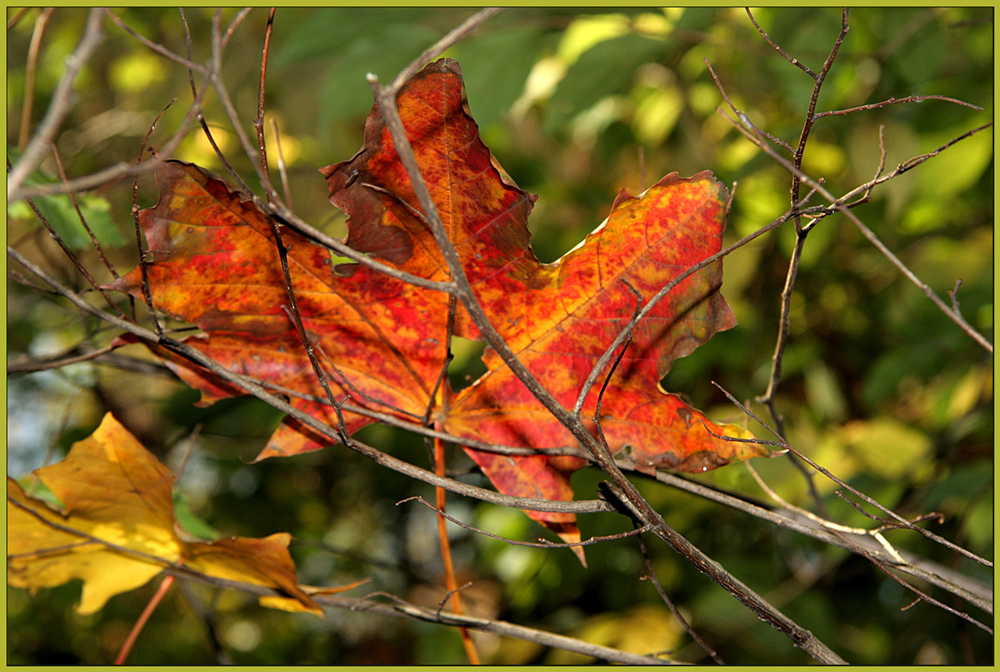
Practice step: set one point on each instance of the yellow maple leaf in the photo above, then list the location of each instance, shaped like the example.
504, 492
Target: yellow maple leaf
117, 530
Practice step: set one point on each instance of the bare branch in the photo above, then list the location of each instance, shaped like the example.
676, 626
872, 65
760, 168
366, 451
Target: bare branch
76, 206
62, 101
16, 18
648, 515
122, 168
34, 364
399, 609
973, 591
840, 205
895, 101
925, 597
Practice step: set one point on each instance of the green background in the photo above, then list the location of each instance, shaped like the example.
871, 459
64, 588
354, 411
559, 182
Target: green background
878, 385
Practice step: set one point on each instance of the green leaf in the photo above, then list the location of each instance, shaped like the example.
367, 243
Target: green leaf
496, 66
190, 522
345, 93
61, 215
602, 71
329, 33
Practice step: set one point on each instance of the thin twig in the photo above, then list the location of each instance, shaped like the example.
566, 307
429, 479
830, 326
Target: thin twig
875, 534
134, 633
627, 329
83, 220
542, 543
768, 397
285, 189
143, 262
462, 31
218, 47
454, 592
233, 25
216, 62
924, 596
725, 96
894, 101
158, 48
258, 123
35, 364
70, 255
673, 608
16, 18
29, 75
400, 608
794, 61
959, 585
296, 314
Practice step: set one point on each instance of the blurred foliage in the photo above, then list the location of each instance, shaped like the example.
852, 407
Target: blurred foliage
878, 386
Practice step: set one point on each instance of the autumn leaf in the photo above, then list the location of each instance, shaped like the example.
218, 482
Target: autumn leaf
216, 265
557, 318
116, 530
384, 342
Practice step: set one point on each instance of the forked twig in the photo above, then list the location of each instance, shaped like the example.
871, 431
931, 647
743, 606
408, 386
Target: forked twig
841, 205
844, 205
921, 594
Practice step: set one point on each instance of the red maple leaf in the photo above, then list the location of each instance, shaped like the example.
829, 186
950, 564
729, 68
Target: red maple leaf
384, 342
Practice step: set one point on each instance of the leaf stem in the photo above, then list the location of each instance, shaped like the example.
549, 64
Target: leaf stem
449, 567
133, 635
